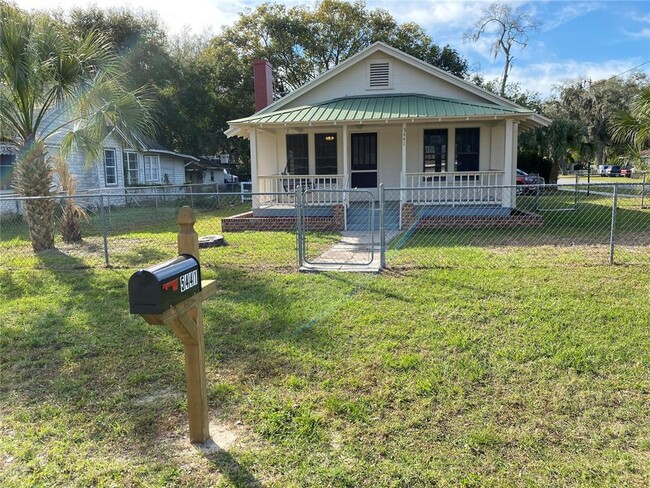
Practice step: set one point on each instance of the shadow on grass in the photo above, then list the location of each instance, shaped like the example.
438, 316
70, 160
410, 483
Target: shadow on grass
223, 462
98, 364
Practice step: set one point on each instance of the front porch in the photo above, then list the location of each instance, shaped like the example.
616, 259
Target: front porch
278, 192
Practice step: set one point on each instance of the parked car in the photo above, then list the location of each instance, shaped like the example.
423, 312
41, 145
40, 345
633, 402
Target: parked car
530, 180
613, 171
602, 169
627, 172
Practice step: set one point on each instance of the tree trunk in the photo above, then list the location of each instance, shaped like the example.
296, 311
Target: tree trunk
33, 178
504, 80
39, 215
555, 172
71, 222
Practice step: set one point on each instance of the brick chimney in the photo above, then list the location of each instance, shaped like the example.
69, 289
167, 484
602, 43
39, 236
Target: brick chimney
263, 82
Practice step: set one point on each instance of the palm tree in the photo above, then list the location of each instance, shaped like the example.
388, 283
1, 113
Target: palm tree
52, 85
633, 127
557, 141
72, 213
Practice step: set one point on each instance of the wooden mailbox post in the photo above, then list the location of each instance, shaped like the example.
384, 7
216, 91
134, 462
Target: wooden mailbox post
186, 320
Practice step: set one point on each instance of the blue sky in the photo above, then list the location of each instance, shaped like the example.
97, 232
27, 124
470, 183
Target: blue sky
594, 39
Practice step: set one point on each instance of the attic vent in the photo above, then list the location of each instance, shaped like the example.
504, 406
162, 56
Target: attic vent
379, 75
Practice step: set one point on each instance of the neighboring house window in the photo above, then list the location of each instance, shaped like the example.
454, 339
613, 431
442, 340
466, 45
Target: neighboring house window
7, 162
131, 167
326, 161
435, 150
297, 154
151, 169
379, 74
110, 167
468, 142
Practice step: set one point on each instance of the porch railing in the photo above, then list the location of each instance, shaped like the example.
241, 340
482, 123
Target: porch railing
456, 188
280, 189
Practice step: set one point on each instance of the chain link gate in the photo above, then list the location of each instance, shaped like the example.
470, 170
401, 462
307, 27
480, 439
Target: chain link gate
337, 229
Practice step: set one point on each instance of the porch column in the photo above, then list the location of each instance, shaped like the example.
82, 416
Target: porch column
255, 185
508, 196
346, 171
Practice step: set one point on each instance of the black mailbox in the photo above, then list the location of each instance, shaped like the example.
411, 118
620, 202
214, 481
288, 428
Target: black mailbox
154, 290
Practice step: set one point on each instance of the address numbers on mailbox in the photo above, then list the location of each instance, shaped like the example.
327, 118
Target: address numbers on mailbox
156, 289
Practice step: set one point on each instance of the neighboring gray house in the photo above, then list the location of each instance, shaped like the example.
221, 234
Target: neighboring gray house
121, 165
125, 165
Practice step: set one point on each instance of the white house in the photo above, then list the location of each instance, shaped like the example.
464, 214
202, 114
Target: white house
383, 116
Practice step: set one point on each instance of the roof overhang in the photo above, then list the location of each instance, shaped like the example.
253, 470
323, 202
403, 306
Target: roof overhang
382, 110
172, 153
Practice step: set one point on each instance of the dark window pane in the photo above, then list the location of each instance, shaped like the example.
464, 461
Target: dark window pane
468, 142
364, 151
364, 180
110, 166
435, 150
326, 160
297, 154
6, 170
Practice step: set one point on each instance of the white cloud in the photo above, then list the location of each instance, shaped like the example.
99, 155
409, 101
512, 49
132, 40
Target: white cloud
197, 15
643, 33
567, 13
542, 77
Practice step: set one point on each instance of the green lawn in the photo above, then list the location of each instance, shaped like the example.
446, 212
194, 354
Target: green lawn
480, 374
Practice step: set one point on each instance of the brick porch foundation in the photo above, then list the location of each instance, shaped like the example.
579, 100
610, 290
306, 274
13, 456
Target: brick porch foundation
516, 218
246, 221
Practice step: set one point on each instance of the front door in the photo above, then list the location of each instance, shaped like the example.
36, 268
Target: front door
435, 150
363, 171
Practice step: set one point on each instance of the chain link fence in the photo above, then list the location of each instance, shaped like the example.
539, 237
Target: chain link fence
548, 224
478, 226
127, 231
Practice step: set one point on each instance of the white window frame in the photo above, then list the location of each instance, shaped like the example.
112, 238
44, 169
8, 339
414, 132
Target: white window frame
129, 170
106, 166
151, 164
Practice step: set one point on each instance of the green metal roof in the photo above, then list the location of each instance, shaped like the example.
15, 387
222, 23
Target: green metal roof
380, 108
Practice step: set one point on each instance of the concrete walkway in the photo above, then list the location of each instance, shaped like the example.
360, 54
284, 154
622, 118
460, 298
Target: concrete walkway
355, 252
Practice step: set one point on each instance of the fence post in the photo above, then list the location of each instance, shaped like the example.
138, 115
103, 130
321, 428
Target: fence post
191, 196
613, 226
104, 229
382, 228
108, 209
643, 191
575, 193
299, 229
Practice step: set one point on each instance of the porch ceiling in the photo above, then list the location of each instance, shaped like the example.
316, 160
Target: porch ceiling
380, 108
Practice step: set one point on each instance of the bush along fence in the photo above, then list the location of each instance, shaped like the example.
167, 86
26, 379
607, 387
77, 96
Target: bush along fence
463, 224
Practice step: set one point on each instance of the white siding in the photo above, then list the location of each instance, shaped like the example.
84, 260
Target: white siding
267, 153
173, 167
405, 79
